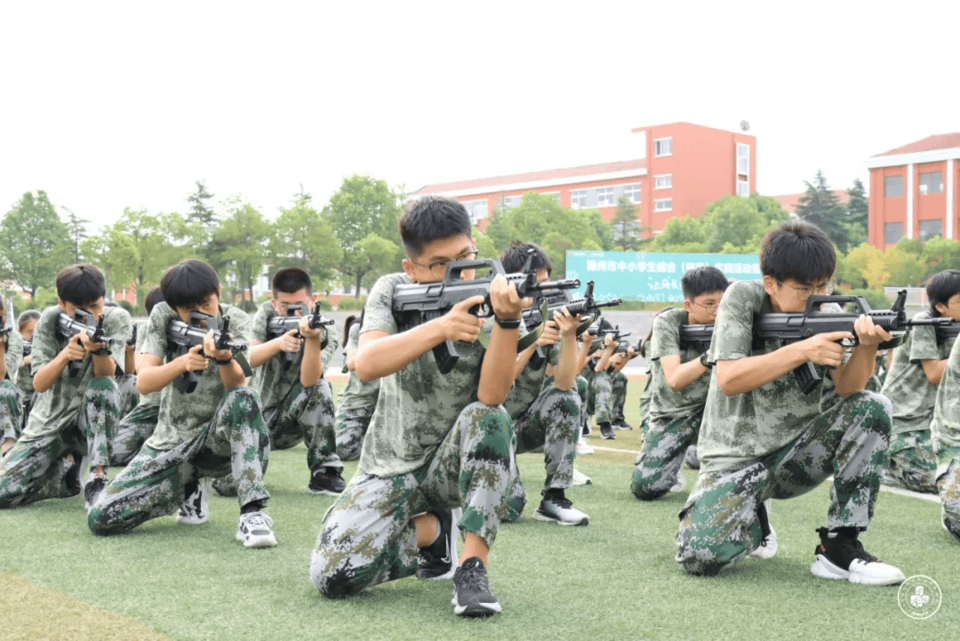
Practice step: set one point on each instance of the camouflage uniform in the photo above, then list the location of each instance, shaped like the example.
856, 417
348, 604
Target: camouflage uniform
355, 407
25, 383
774, 442
430, 445
583, 391
11, 398
212, 431
543, 417
911, 458
946, 435
73, 416
601, 389
674, 416
618, 398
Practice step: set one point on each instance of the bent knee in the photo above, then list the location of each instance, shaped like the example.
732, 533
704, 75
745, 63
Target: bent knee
334, 580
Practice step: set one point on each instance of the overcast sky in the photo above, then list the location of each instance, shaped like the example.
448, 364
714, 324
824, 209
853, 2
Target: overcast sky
113, 105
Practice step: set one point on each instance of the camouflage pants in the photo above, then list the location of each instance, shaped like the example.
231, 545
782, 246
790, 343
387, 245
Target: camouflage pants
718, 524
553, 423
645, 408
601, 389
32, 471
11, 405
618, 389
948, 485
911, 461
351, 428
368, 534
662, 455
152, 485
118, 444
129, 394
583, 391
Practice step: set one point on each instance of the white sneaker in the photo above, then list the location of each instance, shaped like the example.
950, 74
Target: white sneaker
556, 507
768, 545
681, 483
843, 557
583, 447
579, 478
256, 530
195, 510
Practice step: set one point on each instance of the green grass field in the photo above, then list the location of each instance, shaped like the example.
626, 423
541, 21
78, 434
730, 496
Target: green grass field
614, 579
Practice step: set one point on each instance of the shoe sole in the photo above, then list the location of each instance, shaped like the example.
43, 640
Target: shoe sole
475, 609
825, 569
257, 542
538, 515
189, 520
324, 492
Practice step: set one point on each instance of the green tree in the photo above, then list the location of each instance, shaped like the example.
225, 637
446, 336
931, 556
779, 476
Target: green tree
625, 224
239, 247
819, 205
361, 207
303, 238
941, 253
858, 206
200, 212
34, 241
77, 228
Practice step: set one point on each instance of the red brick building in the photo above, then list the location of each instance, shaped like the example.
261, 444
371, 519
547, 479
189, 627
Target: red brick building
683, 168
913, 191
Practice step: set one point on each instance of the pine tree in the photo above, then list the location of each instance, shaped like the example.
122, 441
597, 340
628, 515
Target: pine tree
199, 211
820, 206
858, 207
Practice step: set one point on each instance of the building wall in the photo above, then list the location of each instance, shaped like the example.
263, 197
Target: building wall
917, 210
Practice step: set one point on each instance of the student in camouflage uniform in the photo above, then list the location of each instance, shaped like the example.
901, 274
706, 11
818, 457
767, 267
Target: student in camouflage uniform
216, 428
911, 386
618, 389
71, 416
546, 415
356, 401
946, 434
27, 323
763, 438
297, 401
678, 385
11, 398
436, 442
601, 388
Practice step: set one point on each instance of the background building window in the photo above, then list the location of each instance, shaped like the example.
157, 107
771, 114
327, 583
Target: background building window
663, 204
632, 192
893, 186
509, 202
931, 229
478, 210
663, 147
605, 197
743, 159
743, 188
931, 182
892, 233
664, 181
578, 198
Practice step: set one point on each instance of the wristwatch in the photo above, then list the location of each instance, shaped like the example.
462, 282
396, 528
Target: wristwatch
704, 362
508, 323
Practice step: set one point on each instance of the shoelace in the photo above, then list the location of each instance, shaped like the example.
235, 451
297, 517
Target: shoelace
475, 579
258, 520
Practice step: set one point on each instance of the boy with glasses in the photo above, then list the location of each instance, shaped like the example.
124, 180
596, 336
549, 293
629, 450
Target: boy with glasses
763, 438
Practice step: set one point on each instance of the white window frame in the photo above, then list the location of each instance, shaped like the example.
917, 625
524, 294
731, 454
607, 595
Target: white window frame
471, 207
504, 200
743, 157
663, 181
657, 147
575, 196
602, 194
663, 204
631, 189
745, 185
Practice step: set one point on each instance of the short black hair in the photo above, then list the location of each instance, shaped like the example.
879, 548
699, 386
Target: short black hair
348, 323
941, 288
81, 284
703, 280
189, 282
430, 218
291, 280
153, 297
26, 317
797, 250
515, 255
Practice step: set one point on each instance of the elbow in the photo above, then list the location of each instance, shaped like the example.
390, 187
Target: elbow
364, 372
674, 384
491, 399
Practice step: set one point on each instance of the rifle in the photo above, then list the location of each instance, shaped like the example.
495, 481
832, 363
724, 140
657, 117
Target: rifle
132, 339
187, 335
696, 336
414, 302
82, 321
946, 332
796, 326
27, 348
280, 325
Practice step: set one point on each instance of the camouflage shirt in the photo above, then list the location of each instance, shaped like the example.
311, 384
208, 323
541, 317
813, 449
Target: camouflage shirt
62, 401
13, 354
183, 416
744, 427
417, 405
666, 403
946, 414
153, 398
529, 384
356, 394
270, 380
906, 385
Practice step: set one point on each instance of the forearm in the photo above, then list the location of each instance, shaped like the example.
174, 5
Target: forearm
311, 366
154, 378
522, 359
934, 369
385, 354
498, 363
566, 375
747, 374
684, 374
231, 374
47, 375
260, 353
853, 375
604, 361
104, 365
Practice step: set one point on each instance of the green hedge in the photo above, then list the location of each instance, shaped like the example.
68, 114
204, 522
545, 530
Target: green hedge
351, 304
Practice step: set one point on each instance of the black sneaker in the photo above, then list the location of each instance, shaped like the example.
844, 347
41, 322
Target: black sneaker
606, 431
328, 481
843, 557
622, 425
92, 490
439, 559
71, 475
471, 590
556, 507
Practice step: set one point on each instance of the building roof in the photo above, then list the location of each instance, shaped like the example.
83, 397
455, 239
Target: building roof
930, 143
690, 124
791, 201
571, 173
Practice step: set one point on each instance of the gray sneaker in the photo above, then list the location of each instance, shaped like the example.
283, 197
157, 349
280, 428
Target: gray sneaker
472, 596
556, 507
